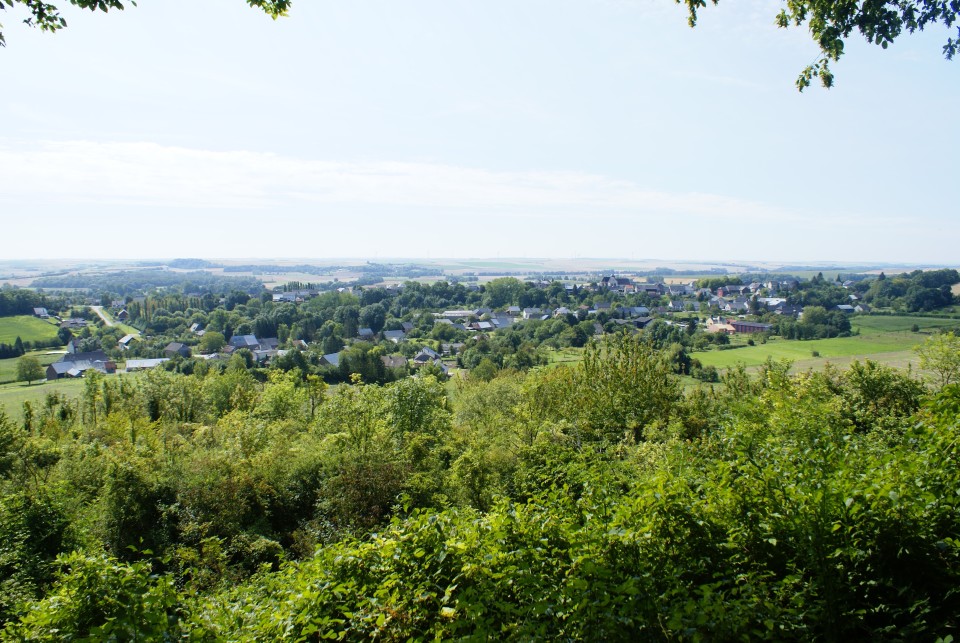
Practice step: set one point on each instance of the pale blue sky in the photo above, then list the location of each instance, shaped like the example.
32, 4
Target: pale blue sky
456, 128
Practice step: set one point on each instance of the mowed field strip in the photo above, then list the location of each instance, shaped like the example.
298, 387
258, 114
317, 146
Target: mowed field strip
27, 328
888, 340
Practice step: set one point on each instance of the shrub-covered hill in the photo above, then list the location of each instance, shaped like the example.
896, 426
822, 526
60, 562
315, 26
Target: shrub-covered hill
593, 502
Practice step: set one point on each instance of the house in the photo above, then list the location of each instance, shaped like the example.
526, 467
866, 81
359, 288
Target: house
750, 327
502, 320
562, 311
196, 327
452, 348
126, 341
79, 363
531, 313
123, 315
41, 313
862, 308
395, 336
636, 311
269, 344
394, 361
366, 334
89, 356
59, 370
331, 359
653, 290
408, 326
641, 322
425, 355
718, 326
457, 314
612, 282
144, 364
738, 305
513, 311
245, 341
771, 302
176, 348
73, 322
846, 308
264, 355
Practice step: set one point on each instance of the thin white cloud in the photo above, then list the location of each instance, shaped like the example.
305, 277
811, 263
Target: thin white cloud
148, 174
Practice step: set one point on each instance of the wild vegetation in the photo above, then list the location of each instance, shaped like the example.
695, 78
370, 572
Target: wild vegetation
568, 486
588, 501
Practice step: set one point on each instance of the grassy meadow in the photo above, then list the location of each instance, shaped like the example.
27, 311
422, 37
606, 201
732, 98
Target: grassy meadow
27, 328
12, 396
8, 367
883, 339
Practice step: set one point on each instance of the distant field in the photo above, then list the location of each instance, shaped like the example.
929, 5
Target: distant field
883, 339
29, 329
12, 396
884, 324
8, 367
564, 356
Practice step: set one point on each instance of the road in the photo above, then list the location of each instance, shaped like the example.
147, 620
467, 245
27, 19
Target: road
99, 311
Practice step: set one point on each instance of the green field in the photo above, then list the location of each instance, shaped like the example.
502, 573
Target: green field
12, 396
27, 328
882, 339
8, 367
564, 356
885, 324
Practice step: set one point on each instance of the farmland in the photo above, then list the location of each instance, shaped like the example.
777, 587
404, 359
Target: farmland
12, 396
27, 328
8, 367
883, 339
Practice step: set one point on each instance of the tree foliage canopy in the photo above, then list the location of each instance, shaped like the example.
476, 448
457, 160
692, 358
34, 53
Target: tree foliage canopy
47, 17
831, 22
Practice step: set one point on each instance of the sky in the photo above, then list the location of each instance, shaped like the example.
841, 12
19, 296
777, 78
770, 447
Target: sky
460, 128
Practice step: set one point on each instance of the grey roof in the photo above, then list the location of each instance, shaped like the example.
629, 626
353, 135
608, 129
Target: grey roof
135, 364
90, 356
244, 341
333, 359
394, 335
394, 361
74, 369
426, 355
